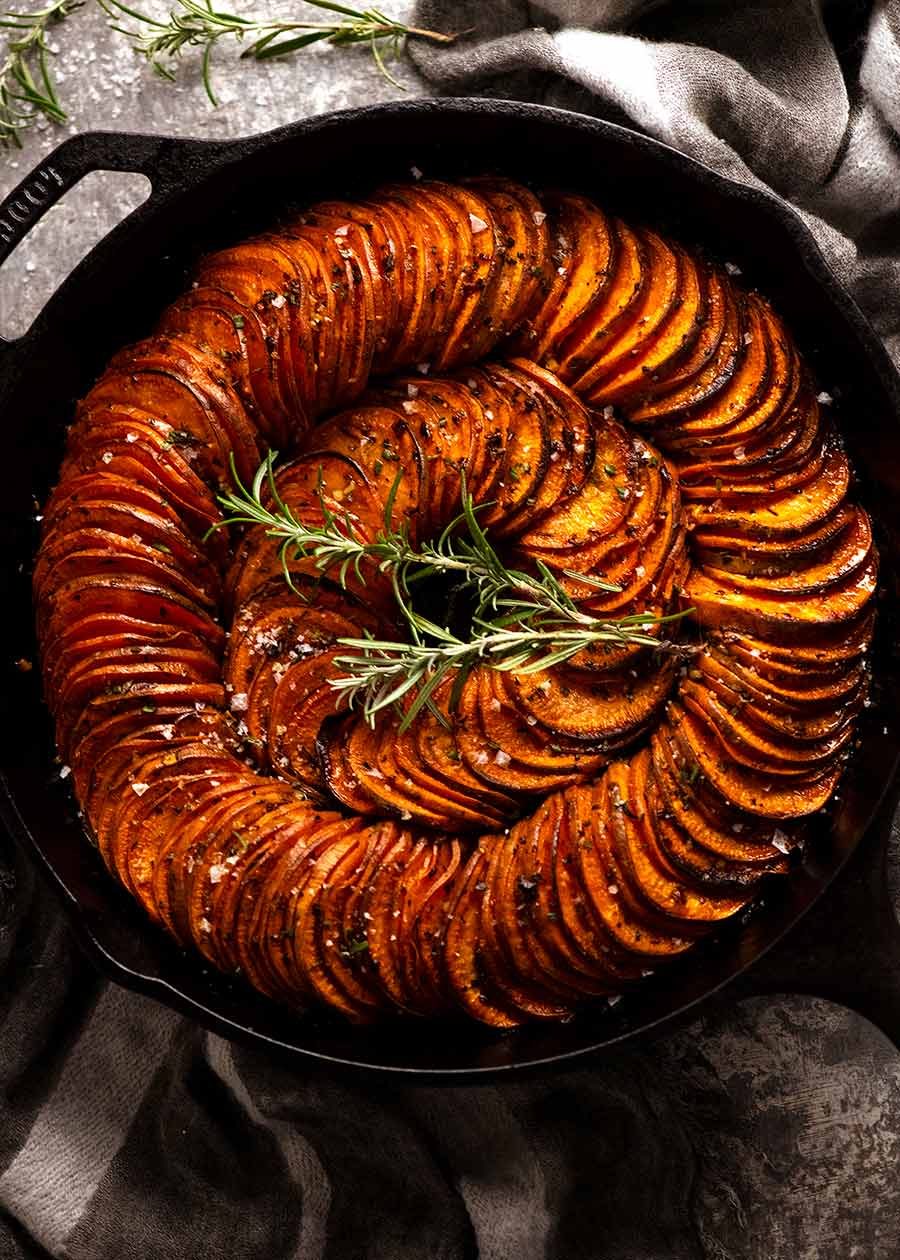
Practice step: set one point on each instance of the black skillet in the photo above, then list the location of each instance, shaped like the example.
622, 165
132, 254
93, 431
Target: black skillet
206, 194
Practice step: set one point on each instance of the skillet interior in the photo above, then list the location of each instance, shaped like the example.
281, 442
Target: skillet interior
209, 195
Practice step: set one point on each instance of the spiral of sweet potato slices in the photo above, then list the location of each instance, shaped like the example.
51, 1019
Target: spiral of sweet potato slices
626, 410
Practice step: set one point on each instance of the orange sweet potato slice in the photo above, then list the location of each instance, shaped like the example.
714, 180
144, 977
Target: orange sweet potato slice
748, 789
603, 881
578, 917
718, 604
596, 277
523, 253
728, 831
706, 388
587, 707
660, 294
661, 351
461, 954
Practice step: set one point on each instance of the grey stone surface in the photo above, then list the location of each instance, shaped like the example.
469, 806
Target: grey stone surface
794, 1105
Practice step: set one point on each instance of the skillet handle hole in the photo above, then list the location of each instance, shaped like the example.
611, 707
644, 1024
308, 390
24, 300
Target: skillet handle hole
55, 244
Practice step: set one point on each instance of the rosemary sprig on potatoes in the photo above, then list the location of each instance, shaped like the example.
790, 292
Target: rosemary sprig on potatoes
520, 621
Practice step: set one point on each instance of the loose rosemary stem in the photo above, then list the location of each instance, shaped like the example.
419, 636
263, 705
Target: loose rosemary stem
195, 24
27, 90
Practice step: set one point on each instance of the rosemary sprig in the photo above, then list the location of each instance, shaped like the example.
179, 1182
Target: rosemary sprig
333, 544
27, 90
196, 24
381, 673
521, 621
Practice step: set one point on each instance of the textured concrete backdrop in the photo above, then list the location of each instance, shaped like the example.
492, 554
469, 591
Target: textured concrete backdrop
793, 1104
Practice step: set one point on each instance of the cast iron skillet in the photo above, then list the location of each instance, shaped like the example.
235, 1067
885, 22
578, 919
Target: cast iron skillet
206, 194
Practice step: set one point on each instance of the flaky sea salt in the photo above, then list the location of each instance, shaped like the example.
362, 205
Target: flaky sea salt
415, 172
412, 390
240, 702
733, 269
65, 771
131, 437
824, 398
107, 457
781, 841
501, 758
140, 788
278, 301
539, 216
217, 872
476, 224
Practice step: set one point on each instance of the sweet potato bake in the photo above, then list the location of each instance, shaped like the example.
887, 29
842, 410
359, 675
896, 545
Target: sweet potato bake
616, 407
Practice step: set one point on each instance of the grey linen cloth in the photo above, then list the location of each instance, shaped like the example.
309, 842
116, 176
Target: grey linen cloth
767, 1130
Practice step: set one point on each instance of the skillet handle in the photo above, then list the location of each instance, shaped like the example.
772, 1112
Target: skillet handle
162, 159
847, 948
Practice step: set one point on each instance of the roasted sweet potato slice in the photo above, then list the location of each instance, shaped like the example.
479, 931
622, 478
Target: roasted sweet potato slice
662, 351
587, 707
724, 878
514, 959
620, 355
557, 955
461, 953
718, 604
523, 253
382, 252
704, 390
748, 789
603, 880
578, 917
662, 883
697, 350
596, 273
729, 831
833, 566
248, 857
420, 910
652, 879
